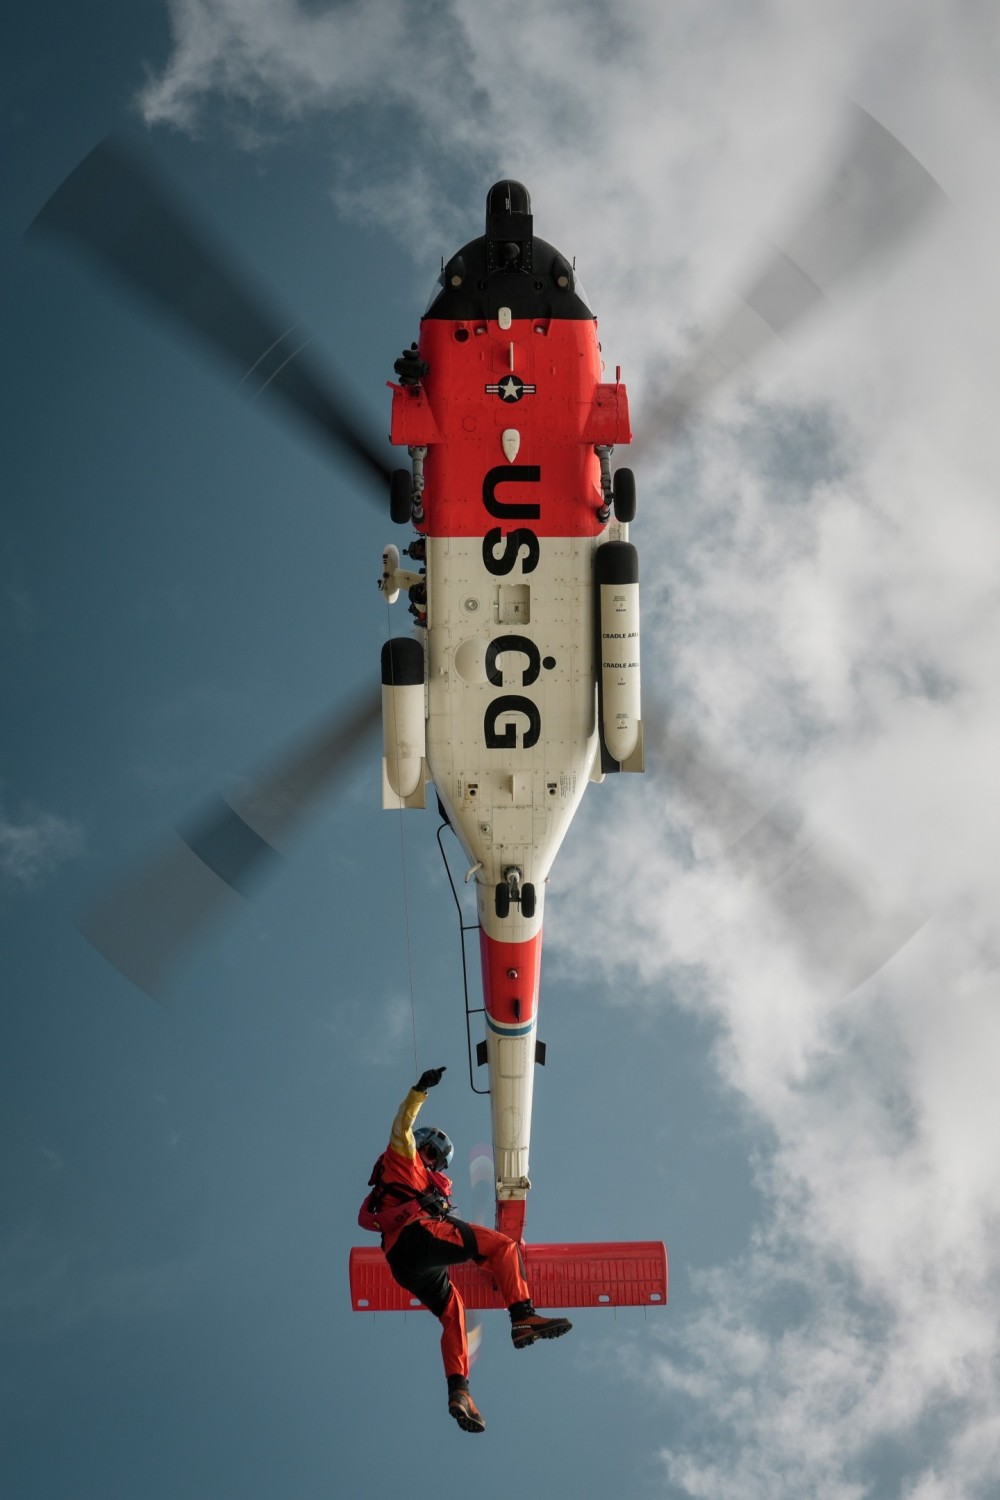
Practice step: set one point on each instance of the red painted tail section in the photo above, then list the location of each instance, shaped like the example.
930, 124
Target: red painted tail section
511, 980
630, 1274
510, 1218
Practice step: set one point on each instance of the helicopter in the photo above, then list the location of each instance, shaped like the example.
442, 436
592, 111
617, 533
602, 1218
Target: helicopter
518, 683
522, 579
524, 685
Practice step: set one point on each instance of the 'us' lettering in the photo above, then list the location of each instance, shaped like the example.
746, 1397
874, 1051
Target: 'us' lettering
511, 510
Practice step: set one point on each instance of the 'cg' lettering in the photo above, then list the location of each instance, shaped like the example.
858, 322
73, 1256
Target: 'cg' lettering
506, 738
524, 647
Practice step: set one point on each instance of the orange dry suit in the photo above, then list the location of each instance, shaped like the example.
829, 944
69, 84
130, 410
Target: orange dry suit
422, 1238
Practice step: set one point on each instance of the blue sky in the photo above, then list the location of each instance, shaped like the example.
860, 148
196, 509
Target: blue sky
186, 585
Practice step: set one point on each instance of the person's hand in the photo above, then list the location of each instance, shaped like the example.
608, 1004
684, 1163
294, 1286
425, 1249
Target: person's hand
429, 1079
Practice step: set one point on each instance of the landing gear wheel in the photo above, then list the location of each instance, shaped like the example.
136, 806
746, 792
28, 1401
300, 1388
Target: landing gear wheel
528, 901
400, 491
503, 900
623, 487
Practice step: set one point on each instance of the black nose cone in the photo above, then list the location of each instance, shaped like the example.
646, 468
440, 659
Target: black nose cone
508, 227
507, 197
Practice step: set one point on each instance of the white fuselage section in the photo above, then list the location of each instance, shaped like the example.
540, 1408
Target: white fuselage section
533, 635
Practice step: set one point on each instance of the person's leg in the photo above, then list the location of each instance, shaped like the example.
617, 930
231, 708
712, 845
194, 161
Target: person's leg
503, 1257
455, 1353
418, 1263
454, 1343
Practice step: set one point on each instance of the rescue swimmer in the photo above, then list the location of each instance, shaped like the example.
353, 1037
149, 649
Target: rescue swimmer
410, 1207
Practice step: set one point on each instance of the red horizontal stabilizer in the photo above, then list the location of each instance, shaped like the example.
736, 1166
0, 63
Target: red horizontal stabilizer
630, 1274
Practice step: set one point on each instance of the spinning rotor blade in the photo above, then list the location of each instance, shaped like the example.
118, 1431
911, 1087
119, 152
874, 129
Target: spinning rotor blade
842, 935
878, 195
482, 1179
125, 218
147, 921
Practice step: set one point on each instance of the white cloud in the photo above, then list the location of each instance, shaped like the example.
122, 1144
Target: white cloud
36, 845
820, 560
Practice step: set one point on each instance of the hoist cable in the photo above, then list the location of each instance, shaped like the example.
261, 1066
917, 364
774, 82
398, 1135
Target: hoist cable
402, 861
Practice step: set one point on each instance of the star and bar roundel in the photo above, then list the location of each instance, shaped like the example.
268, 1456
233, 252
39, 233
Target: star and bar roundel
511, 389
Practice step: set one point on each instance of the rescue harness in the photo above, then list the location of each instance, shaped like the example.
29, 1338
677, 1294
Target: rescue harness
390, 1205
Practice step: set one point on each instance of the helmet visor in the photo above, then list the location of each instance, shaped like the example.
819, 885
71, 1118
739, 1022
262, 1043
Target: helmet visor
435, 1148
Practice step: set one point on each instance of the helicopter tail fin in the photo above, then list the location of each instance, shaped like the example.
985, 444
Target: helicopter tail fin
631, 1273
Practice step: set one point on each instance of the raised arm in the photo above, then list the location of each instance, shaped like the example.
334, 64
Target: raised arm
401, 1136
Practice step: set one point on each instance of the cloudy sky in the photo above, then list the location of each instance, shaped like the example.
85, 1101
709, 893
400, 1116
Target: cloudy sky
777, 1046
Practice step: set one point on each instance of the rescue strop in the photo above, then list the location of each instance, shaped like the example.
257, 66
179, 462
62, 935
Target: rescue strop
380, 1217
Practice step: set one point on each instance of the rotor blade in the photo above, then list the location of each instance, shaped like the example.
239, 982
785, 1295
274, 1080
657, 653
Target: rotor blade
118, 209
876, 197
839, 931
482, 1177
144, 924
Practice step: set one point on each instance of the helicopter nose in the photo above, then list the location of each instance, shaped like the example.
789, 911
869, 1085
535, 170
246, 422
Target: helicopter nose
507, 197
508, 226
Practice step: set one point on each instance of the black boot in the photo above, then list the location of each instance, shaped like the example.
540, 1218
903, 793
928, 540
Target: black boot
461, 1405
526, 1325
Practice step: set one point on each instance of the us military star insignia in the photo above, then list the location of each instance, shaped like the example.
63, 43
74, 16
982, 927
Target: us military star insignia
511, 389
